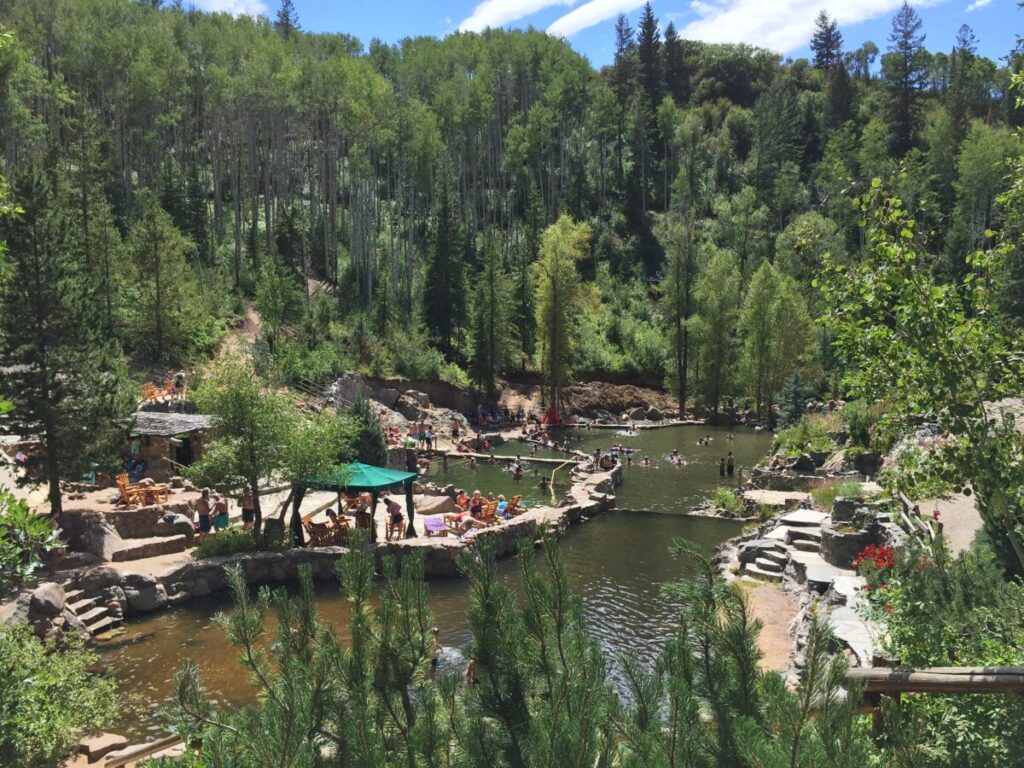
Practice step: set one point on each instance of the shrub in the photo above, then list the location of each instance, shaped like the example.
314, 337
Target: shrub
724, 499
811, 433
233, 541
941, 612
49, 697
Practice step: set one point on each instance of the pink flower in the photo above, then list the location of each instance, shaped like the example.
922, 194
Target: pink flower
935, 514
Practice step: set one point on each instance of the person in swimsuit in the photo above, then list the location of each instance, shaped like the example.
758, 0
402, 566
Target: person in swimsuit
203, 511
245, 501
220, 513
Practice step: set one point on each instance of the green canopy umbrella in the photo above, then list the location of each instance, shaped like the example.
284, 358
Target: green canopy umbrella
366, 477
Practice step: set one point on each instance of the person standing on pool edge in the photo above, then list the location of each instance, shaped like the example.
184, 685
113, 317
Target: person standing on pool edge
730, 464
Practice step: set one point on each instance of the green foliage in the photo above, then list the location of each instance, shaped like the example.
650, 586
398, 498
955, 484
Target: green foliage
860, 418
363, 439
49, 698
793, 400
811, 433
556, 290
718, 296
724, 499
777, 331
232, 541
938, 349
24, 538
918, 472
933, 606
542, 694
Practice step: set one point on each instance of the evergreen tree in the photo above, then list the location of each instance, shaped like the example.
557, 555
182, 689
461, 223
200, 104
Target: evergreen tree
493, 329
165, 282
196, 213
287, 23
556, 289
827, 42
905, 74
961, 81
444, 301
793, 400
649, 57
365, 437
56, 373
677, 79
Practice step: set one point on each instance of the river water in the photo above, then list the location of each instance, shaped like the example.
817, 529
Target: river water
616, 563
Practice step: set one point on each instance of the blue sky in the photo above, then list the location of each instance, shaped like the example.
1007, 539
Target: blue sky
782, 25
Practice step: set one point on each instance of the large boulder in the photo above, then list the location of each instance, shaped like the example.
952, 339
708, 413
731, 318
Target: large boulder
803, 464
173, 525
410, 408
102, 540
47, 600
143, 593
422, 399
654, 414
98, 578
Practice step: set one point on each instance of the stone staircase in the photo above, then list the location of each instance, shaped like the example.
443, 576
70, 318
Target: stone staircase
792, 550
95, 617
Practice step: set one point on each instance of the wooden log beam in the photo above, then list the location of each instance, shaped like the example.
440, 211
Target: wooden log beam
953, 680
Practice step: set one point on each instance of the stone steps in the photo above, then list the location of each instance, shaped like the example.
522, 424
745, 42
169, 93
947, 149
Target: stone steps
806, 545
102, 625
764, 564
81, 606
72, 595
805, 534
137, 549
93, 615
751, 570
778, 556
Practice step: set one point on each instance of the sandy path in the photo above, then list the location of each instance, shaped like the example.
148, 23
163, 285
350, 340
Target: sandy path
776, 609
960, 519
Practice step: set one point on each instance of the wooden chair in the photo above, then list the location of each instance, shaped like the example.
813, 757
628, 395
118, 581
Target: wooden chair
489, 516
150, 393
513, 506
131, 495
169, 390
397, 528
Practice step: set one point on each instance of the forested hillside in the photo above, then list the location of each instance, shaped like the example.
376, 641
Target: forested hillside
386, 206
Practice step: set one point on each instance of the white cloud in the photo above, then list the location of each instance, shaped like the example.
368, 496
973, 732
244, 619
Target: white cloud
589, 14
977, 4
781, 25
234, 7
495, 13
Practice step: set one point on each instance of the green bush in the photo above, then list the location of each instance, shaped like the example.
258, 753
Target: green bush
233, 541
49, 698
811, 433
933, 607
724, 499
918, 473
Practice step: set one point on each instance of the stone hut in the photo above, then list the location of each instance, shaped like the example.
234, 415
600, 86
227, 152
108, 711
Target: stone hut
167, 441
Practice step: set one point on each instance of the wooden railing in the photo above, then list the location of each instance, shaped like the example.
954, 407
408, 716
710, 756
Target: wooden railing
909, 518
944, 680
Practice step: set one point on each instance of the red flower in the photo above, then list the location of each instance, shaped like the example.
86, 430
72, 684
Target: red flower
935, 514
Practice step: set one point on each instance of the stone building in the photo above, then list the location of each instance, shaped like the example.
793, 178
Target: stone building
166, 441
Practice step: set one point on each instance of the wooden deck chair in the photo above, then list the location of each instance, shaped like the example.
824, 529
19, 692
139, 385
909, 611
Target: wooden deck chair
513, 506
131, 495
489, 516
150, 393
168, 390
435, 526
